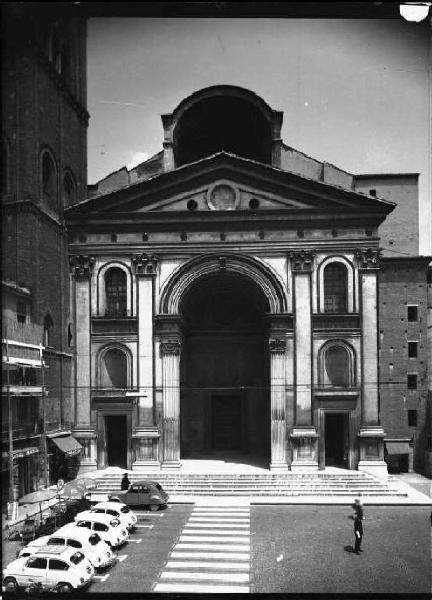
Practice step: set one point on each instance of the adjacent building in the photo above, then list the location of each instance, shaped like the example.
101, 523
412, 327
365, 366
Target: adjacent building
44, 125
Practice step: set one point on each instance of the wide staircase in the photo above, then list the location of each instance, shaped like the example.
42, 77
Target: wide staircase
345, 483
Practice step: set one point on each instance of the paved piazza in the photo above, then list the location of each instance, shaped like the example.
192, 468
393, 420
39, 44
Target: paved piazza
279, 549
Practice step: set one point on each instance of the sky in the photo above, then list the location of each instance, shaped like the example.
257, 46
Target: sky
355, 93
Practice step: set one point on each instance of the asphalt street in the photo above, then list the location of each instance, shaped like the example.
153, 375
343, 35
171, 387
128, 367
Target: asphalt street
273, 549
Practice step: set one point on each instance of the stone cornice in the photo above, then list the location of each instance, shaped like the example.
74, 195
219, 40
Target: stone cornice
30, 207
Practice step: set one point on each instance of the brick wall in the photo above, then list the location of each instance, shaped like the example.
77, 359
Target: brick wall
403, 282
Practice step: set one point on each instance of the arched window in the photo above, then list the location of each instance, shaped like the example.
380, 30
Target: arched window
49, 178
337, 366
335, 288
115, 292
68, 190
48, 331
113, 369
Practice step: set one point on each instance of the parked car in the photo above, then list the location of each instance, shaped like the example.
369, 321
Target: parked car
108, 527
89, 542
142, 493
118, 510
60, 567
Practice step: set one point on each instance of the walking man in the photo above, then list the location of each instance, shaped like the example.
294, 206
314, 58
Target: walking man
358, 533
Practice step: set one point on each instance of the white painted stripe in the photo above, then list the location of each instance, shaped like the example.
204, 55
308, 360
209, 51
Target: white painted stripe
209, 538
229, 577
135, 541
201, 588
204, 564
221, 509
218, 555
214, 531
210, 546
122, 557
145, 526
219, 514
220, 520
221, 525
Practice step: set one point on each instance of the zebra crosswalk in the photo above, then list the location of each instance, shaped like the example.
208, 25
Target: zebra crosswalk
212, 554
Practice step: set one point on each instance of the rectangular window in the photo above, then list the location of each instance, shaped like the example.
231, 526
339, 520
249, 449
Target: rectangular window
412, 381
412, 313
412, 418
412, 349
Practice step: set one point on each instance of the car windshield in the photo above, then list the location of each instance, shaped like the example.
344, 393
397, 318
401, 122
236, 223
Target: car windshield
159, 487
94, 539
77, 558
112, 512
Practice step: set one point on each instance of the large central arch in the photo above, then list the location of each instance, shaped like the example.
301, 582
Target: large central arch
250, 326
203, 265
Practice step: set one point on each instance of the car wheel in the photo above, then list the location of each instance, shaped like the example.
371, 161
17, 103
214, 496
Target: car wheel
64, 588
154, 507
10, 584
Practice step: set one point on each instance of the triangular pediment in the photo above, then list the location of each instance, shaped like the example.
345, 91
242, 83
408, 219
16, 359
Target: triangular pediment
225, 183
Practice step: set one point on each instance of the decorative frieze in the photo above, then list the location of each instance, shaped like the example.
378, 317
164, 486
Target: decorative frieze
145, 264
277, 345
368, 258
302, 260
82, 265
170, 348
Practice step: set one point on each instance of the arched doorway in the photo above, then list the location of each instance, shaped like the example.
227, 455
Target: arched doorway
225, 398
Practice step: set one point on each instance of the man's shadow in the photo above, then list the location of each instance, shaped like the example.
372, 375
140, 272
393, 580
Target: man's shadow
349, 549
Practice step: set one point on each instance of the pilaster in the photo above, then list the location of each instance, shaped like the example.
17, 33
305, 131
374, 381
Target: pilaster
303, 435
81, 269
371, 434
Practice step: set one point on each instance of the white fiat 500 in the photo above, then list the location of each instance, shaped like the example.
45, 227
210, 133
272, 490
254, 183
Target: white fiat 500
118, 510
89, 542
60, 567
109, 528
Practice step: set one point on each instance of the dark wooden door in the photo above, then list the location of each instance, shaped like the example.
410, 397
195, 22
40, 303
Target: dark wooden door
226, 422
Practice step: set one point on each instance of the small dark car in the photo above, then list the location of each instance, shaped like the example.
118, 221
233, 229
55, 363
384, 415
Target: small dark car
142, 493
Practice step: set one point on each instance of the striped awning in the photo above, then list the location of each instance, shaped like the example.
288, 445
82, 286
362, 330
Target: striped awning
397, 447
68, 445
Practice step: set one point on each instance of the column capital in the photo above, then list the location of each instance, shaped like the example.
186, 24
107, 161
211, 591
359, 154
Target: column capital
82, 266
170, 348
302, 260
368, 258
277, 345
145, 264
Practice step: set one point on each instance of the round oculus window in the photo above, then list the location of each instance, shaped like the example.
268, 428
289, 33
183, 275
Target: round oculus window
222, 197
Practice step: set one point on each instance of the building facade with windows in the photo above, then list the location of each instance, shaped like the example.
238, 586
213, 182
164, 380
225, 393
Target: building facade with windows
226, 301
44, 127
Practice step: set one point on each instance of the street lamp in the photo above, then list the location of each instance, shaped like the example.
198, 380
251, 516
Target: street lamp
414, 11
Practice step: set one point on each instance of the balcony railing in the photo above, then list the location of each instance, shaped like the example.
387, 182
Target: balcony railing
28, 332
22, 431
52, 426
109, 325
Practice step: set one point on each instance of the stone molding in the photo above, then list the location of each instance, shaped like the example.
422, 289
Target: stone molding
82, 265
145, 264
171, 348
302, 260
277, 345
368, 258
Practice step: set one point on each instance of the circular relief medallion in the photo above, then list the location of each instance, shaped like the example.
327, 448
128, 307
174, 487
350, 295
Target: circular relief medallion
222, 196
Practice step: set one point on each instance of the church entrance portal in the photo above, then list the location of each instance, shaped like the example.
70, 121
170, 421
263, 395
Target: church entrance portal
225, 398
336, 439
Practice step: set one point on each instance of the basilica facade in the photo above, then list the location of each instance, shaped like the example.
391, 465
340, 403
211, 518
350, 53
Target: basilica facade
225, 300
